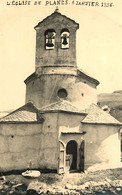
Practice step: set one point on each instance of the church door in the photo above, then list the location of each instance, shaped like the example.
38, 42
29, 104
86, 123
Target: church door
61, 157
81, 159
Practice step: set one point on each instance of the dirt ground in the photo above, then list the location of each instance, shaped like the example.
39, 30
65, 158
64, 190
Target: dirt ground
97, 182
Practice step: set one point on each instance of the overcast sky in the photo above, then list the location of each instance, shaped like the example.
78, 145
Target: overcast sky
99, 46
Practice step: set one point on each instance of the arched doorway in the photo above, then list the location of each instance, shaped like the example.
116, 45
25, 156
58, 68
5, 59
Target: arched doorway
71, 155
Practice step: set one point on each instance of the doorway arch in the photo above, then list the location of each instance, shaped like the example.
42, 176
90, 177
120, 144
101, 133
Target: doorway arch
71, 155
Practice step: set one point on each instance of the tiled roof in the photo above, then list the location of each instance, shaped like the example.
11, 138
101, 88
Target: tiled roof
26, 113
97, 116
62, 105
55, 13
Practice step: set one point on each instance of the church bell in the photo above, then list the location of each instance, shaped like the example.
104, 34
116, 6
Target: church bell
64, 42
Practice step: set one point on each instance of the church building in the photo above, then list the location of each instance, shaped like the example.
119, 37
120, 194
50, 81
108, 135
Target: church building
60, 127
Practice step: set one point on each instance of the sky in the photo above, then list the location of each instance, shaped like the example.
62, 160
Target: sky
99, 45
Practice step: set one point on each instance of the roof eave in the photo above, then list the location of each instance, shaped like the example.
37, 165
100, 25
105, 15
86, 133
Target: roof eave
56, 111
32, 76
114, 124
71, 132
89, 77
20, 122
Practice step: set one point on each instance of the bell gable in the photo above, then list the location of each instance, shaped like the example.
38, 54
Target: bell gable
56, 41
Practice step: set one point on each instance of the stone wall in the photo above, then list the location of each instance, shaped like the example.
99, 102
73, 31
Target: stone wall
20, 143
42, 91
69, 128
70, 122
102, 144
56, 56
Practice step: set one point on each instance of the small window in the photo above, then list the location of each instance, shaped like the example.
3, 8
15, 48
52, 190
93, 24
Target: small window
62, 93
50, 39
65, 38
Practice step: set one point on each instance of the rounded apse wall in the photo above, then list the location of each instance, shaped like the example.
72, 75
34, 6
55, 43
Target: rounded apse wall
47, 89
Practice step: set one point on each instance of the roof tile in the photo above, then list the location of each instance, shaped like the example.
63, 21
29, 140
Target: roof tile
62, 105
97, 116
26, 113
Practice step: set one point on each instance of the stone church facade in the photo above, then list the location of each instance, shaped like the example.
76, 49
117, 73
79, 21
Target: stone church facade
60, 127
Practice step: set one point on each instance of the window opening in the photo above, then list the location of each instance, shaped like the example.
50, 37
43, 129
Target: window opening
62, 93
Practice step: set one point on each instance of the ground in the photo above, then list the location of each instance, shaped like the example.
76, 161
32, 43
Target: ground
97, 182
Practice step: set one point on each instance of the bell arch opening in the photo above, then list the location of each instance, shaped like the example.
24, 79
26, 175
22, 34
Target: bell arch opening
65, 38
49, 39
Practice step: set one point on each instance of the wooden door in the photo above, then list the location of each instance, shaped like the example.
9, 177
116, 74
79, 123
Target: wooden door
81, 153
61, 168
